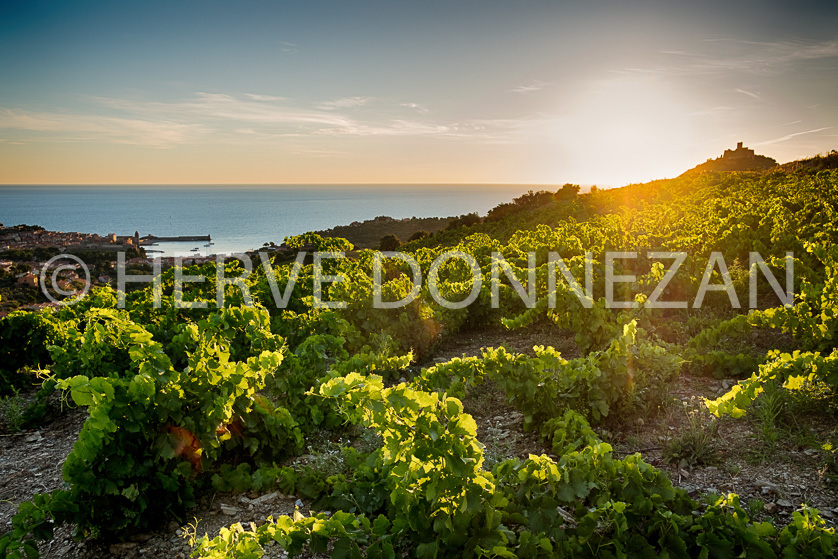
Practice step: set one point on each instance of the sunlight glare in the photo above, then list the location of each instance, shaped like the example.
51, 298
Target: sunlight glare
629, 131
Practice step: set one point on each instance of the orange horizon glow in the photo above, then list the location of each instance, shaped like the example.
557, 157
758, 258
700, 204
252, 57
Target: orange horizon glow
105, 94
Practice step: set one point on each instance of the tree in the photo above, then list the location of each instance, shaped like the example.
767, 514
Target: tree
465, 220
389, 242
421, 234
501, 211
568, 192
533, 199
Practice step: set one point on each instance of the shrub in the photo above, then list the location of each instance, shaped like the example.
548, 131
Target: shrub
389, 242
421, 234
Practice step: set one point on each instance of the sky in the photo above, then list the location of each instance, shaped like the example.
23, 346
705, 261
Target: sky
457, 91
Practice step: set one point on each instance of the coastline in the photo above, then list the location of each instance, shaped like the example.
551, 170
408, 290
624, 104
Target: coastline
25, 250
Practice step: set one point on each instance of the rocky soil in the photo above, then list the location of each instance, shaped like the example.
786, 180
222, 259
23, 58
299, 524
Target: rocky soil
773, 482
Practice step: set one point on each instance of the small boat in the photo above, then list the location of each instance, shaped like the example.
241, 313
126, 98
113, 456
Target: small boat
196, 249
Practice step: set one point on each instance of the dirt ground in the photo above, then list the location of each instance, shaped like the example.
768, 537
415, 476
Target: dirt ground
779, 480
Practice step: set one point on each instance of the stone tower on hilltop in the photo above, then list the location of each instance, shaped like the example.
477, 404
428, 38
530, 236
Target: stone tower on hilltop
738, 153
739, 159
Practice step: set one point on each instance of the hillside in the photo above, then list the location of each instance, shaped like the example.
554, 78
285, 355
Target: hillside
587, 421
367, 234
812, 164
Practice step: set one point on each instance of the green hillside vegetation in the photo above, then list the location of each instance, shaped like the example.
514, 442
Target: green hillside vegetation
368, 234
183, 402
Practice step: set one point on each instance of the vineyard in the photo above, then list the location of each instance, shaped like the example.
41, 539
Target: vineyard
185, 401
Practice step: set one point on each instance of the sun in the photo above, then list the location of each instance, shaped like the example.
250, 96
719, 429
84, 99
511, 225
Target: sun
629, 130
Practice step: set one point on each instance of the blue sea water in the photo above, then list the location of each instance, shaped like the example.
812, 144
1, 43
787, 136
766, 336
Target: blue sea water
238, 218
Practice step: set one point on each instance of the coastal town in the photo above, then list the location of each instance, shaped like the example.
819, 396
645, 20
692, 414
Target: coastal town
24, 250
27, 237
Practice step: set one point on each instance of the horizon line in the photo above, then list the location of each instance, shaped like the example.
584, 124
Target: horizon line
198, 184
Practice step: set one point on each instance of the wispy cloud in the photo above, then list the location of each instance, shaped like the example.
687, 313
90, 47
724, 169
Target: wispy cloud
768, 57
749, 94
88, 127
345, 103
415, 106
220, 106
260, 97
221, 117
790, 136
536, 85
288, 48
393, 128
734, 55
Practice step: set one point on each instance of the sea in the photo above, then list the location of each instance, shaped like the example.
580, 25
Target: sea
237, 217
